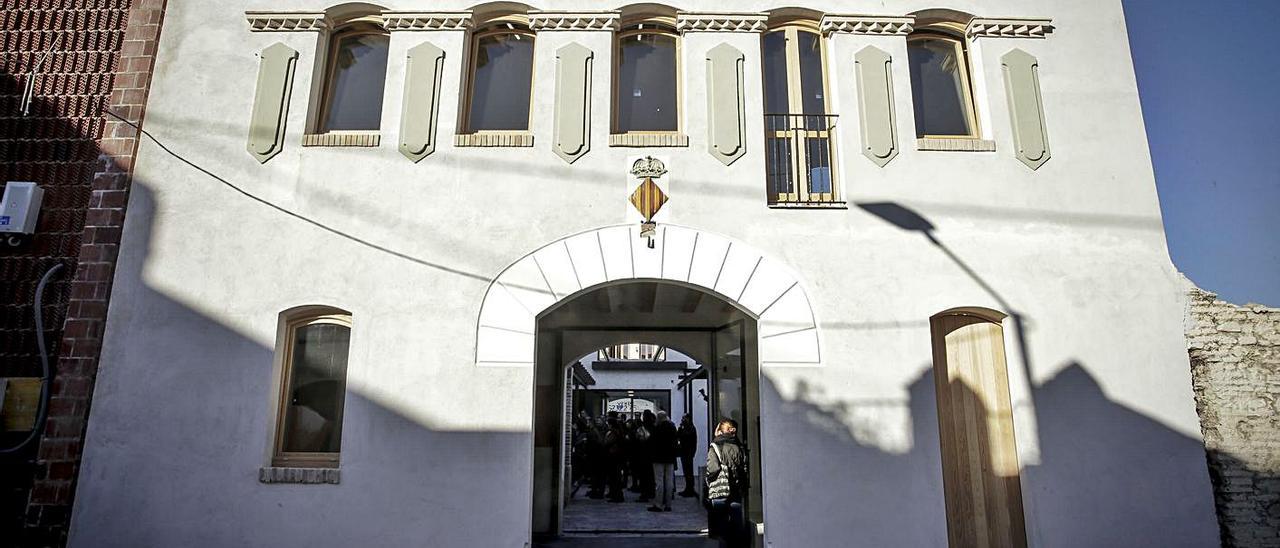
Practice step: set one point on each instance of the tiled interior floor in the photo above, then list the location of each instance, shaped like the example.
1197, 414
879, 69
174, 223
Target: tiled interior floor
582, 514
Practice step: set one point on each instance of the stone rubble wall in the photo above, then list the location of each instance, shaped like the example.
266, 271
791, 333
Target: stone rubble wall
1235, 365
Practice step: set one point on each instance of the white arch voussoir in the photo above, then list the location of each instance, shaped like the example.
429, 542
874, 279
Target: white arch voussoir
739, 273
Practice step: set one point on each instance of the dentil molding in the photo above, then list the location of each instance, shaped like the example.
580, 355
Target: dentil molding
1009, 28
868, 24
721, 22
573, 20
285, 21
434, 20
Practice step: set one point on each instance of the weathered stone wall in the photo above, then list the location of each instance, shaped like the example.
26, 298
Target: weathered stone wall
1235, 364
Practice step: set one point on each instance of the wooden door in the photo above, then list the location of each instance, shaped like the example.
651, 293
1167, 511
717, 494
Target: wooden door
980, 468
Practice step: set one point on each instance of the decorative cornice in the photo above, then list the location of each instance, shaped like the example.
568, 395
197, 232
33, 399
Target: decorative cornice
868, 24
721, 22
418, 20
574, 20
285, 21
1010, 28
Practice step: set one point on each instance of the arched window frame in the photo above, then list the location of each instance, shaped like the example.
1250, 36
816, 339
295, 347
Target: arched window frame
631, 28
365, 25
514, 24
955, 33
291, 322
791, 30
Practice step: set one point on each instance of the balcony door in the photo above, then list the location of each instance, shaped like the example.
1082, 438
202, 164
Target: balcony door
797, 126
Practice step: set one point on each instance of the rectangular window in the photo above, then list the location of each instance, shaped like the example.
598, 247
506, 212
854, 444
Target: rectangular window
356, 76
313, 389
646, 94
940, 89
799, 150
501, 81
634, 351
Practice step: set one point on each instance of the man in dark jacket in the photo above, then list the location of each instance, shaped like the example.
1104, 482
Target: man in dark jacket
727, 483
688, 435
662, 448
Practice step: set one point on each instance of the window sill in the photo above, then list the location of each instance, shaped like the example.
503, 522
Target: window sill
342, 139
808, 205
955, 144
648, 140
287, 474
494, 139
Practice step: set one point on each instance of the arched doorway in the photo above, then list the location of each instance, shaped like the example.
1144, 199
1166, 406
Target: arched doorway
713, 331
725, 303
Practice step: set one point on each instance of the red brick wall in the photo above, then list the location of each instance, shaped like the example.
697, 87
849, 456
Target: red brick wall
84, 159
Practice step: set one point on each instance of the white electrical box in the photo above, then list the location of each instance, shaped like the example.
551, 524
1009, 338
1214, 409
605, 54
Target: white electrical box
20, 207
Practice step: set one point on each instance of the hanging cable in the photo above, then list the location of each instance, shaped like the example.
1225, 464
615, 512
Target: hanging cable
46, 378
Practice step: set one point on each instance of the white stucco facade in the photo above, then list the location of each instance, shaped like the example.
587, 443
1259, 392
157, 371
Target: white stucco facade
437, 443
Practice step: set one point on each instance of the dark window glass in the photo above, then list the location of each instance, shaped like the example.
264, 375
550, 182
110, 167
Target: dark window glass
775, 73
317, 384
812, 98
647, 83
501, 82
938, 87
355, 84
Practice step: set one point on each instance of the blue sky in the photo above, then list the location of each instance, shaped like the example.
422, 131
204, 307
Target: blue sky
1209, 77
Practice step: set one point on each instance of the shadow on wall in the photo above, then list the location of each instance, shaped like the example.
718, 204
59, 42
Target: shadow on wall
1103, 480
173, 451
54, 144
173, 454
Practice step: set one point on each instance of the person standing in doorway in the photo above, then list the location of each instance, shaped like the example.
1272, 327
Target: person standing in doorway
688, 435
662, 445
644, 455
614, 448
727, 483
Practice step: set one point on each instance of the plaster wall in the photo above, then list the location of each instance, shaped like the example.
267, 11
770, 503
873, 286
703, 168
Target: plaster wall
437, 451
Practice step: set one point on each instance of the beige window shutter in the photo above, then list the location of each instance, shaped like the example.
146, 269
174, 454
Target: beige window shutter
271, 101
421, 106
1026, 108
726, 108
573, 102
877, 120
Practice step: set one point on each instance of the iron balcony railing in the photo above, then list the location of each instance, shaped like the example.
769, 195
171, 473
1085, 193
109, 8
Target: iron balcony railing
800, 159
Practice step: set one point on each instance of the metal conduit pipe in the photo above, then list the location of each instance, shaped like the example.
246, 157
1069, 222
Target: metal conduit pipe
46, 378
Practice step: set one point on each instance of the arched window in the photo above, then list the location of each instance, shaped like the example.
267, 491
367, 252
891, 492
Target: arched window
314, 345
501, 79
646, 79
355, 76
941, 87
799, 157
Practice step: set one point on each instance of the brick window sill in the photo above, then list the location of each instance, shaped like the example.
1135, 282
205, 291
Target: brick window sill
648, 140
342, 139
288, 474
957, 144
808, 205
494, 139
